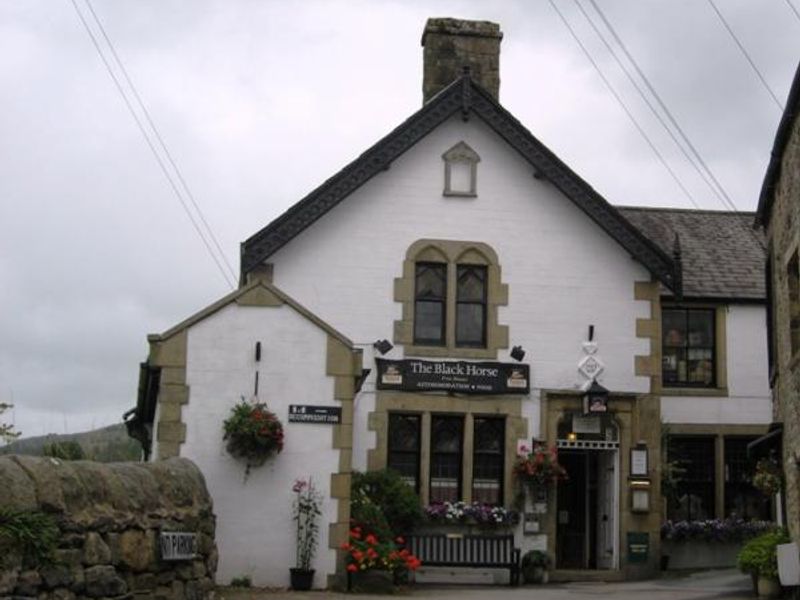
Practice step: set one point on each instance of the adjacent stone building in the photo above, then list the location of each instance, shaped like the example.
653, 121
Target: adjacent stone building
779, 214
484, 289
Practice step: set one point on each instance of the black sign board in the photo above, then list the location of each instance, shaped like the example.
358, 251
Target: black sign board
414, 375
306, 413
638, 546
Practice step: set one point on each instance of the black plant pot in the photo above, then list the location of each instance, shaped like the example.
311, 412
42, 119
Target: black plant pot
301, 579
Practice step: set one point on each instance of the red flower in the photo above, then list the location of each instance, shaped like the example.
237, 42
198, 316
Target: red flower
352, 568
371, 540
400, 540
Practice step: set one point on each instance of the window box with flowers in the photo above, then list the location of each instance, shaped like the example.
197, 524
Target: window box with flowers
468, 517
537, 469
252, 433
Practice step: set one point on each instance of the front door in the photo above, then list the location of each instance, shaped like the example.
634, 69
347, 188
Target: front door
586, 518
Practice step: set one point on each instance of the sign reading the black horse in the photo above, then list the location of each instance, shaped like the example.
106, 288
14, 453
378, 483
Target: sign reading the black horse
414, 375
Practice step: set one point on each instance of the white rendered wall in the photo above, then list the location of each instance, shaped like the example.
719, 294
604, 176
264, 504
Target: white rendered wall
749, 400
564, 273
255, 531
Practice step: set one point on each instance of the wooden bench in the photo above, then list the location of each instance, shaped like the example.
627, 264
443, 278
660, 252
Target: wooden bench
467, 550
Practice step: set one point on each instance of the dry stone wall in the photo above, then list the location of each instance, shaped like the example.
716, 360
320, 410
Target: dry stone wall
110, 517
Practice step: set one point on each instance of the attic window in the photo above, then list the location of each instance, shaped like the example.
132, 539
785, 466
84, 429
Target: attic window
461, 171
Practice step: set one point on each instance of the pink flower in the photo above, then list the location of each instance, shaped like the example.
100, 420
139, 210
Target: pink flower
299, 485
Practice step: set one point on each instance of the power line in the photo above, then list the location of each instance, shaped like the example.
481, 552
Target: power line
646, 100
623, 105
143, 131
167, 153
746, 55
794, 10
720, 190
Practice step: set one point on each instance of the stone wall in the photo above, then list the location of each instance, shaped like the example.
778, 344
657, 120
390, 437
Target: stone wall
109, 517
783, 235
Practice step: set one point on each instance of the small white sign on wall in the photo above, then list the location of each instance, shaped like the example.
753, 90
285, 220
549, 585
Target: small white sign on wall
538, 542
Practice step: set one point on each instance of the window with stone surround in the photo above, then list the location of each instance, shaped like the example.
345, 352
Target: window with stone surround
450, 292
403, 453
488, 460
690, 347
695, 497
447, 439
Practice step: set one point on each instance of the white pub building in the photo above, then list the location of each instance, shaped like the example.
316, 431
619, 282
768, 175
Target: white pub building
454, 292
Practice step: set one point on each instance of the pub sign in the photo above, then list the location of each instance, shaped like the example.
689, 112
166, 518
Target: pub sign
414, 375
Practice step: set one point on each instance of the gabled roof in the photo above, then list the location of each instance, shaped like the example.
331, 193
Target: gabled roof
776, 157
722, 254
463, 96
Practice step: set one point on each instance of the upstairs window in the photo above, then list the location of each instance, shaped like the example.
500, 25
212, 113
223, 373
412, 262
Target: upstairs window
461, 171
793, 281
430, 300
689, 348
471, 306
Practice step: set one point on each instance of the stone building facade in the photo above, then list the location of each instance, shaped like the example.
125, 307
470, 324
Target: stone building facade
483, 288
779, 215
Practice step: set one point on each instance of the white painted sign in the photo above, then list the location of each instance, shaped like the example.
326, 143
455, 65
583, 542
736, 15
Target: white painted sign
178, 545
585, 424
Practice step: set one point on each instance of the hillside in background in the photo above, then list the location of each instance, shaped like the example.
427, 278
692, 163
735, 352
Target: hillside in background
107, 444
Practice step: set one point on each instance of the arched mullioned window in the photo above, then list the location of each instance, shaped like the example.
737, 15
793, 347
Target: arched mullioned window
450, 291
461, 171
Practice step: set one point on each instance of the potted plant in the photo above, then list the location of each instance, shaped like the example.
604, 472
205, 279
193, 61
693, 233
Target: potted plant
373, 561
306, 510
252, 433
759, 558
538, 468
534, 567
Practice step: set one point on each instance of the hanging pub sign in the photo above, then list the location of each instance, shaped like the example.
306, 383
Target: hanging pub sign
306, 413
595, 399
414, 375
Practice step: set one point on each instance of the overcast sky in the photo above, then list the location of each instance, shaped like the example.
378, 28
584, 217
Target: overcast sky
259, 102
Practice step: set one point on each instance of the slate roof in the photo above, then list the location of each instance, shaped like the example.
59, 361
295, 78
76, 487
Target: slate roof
467, 98
721, 252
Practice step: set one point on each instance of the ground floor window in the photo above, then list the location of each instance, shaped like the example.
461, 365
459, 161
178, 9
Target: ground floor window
404, 447
695, 489
741, 498
704, 491
449, 454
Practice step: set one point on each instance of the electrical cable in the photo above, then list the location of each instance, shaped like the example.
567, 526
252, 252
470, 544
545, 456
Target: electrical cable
623, 105
158, 158
167, 153
746, 55
727, 201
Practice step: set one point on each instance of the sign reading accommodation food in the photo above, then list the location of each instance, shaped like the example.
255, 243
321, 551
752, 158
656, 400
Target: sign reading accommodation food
178, 545
306, 413
414, 375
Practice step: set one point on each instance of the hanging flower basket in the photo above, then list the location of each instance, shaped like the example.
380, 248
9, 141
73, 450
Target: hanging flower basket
252, 433
538, 468
767, 478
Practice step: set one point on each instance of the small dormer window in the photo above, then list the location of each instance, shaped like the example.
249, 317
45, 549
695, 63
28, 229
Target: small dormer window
461, 171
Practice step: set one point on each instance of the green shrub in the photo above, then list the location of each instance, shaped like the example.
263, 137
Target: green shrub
532, 561
31, 534
370, 518
395, 498
242, 581
759, 556
66, 450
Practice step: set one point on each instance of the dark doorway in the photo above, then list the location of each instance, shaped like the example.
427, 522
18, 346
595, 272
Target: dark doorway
585, 504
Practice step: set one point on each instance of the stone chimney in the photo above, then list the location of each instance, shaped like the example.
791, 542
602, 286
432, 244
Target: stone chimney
452, 44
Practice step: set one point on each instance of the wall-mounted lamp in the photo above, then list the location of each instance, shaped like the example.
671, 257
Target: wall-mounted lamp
595, 399
572, 436
383, 346
517, 353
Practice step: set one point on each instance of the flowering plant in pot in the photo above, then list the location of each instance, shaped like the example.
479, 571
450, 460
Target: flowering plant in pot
538, 467
252, 433
368, 552
534, 566
306, 506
